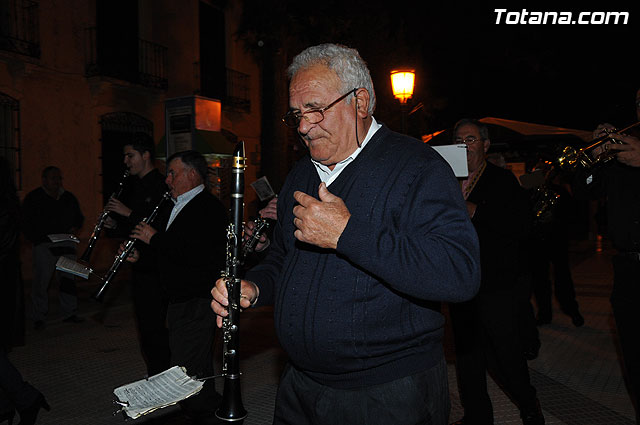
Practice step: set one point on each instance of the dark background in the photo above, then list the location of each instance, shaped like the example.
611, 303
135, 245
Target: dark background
573, 76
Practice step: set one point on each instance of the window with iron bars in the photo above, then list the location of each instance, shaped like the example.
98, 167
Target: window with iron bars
19, 27
10, 135
238, 91
140, 62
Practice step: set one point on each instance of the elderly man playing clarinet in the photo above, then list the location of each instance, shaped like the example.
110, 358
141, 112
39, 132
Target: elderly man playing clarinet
372, 234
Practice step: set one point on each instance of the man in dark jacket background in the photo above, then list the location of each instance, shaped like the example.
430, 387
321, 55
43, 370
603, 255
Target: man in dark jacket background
486, 327
191, 254
47, 210
618, 181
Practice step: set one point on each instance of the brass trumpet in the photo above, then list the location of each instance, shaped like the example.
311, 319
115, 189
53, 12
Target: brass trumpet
590, 156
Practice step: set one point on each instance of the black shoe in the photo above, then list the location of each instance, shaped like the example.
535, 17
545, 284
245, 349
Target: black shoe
533, 419
531, 352
533, 416
7, 416
38, 325
73, 319
577, 320
543, 320
29, 415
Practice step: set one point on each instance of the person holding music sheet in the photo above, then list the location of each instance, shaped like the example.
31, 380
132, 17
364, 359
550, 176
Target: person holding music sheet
50, 209
372, 234
143, 191
485, 328
619, 181
191, 254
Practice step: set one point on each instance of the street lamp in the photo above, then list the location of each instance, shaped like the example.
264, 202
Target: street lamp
402, 86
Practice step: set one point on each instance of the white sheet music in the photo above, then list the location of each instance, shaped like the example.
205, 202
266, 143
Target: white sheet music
161, 390
67, 265
63, 237
263, 188
456, 156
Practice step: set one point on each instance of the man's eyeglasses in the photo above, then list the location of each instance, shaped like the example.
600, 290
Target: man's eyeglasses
313, 116
469, 140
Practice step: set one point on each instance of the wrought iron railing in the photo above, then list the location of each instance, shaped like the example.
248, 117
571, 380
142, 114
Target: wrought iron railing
19, 28
10, 135
238, 91
151, 66
90, 52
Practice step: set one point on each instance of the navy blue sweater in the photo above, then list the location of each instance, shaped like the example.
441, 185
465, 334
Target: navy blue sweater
369, 311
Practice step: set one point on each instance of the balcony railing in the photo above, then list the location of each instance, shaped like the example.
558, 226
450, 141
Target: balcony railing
147, 68
152, 64
10, 135
238, 91
19, 28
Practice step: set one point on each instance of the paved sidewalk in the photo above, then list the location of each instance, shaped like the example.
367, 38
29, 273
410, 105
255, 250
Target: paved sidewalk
77, 366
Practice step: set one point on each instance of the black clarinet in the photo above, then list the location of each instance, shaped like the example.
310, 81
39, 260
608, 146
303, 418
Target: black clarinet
231, 409
261, 226
113, 270
86, 255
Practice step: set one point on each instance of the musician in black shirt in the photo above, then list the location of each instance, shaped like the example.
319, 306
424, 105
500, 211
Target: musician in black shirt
619, 181
142, 193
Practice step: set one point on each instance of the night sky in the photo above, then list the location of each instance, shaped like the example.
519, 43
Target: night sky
570, 76
573, 76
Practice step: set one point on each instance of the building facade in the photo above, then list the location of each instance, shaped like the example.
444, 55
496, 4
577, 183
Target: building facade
79, 78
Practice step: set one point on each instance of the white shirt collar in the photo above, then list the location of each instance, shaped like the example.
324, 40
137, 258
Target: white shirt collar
183, 200
327, 175
187, 196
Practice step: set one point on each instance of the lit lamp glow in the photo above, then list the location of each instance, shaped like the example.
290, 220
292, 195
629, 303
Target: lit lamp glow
402, 84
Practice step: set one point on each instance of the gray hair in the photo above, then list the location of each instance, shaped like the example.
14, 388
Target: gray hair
48, 170
344, 61
194, 160
482, 127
